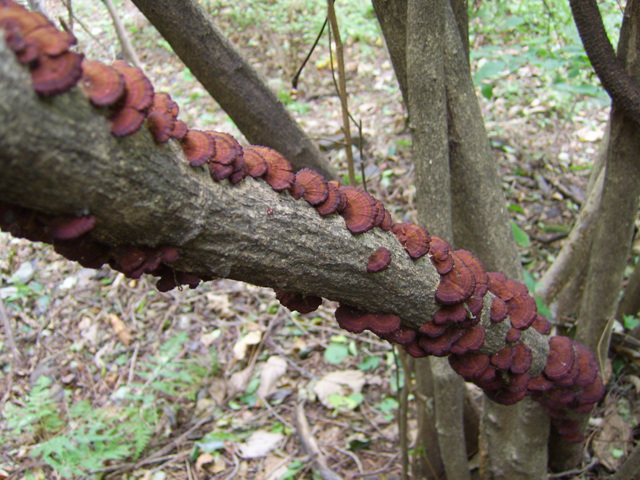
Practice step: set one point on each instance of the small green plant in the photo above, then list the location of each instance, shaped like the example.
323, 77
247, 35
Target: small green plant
77, 438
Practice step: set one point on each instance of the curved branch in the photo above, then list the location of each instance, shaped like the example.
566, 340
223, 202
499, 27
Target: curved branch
623, 89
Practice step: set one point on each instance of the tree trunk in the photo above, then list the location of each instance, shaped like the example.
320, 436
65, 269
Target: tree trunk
513, 439
614, 229
428, 121
233, 83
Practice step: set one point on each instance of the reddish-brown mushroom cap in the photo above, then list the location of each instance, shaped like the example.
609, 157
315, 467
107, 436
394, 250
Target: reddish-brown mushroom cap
198, 147
387, 222
297, 301
414, 350
439, 250
477, 268
279, 174
126, 121
360, 212
138, 88
379, 260
518, 383
54, 75
162, 102
240, 168
402, 335
160, 126
296, 191
522, 311
180, 129
498, 286
226, 148
84, 250
414, 238
455, 286
499, 310
184, 278
168, 254
351, 319
505, 397
540, 384
219, 172
503, 358
432, 330
383, 323
380, 213
513, 335
450, 314
333, 201
470, 365
51, 41
315, 186
521, 359
441, 346
560, 359
592, 393
103, 85
587, 364
26, 20
471, 341
67, 228
542, 325
256, 163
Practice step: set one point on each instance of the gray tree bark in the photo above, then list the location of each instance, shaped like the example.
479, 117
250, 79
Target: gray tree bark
233, 83
428, 122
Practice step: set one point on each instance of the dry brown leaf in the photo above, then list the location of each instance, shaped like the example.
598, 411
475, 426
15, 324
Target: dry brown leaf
240, 348
121, 329
343, 382
272, 371
611, 443
204, 459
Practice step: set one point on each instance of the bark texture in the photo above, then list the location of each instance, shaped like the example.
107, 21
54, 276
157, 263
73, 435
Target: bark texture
428, 122
233, 83
392, 16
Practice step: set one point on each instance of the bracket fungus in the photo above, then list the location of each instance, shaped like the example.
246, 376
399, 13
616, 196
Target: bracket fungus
298, 302
414, 238
314, 184
279, 174
334, 202
103, 85
379, 260
198, 147
360, 211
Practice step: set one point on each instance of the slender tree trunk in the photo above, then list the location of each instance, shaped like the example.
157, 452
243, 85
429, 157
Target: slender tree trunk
428, 122
233, 83
513, 439
614, 230
392, 16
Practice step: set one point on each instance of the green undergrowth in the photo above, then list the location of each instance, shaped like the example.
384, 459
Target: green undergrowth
76, 438
535, 45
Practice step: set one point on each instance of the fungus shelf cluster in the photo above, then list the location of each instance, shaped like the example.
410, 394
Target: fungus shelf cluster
471, 300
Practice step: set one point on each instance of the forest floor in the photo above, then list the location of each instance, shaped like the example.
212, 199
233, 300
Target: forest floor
206, 383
